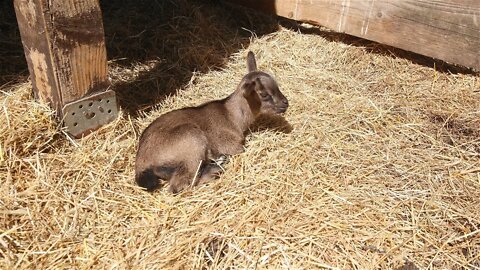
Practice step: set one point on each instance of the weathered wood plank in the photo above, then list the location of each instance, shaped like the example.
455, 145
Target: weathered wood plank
65, 48
444, 29
36, 43
78, 38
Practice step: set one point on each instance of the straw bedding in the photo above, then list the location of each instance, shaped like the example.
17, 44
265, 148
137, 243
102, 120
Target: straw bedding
374, 166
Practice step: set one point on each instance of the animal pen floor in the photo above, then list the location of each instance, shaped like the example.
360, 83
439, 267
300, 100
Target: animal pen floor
375, 166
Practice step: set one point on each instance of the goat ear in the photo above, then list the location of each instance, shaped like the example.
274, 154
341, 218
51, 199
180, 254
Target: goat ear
258, 85
248, 88
251, 95
251, 62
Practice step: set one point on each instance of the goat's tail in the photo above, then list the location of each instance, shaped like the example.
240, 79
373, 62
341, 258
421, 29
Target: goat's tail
150, 178
251, 62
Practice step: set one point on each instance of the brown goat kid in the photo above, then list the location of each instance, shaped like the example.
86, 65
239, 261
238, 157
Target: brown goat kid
179, 146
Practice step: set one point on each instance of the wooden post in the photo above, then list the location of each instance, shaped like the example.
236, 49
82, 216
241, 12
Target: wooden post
444, 29
64, 46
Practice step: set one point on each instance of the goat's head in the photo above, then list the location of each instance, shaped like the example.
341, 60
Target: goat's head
261, 90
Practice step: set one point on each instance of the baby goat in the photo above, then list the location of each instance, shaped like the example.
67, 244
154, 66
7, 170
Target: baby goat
179, 145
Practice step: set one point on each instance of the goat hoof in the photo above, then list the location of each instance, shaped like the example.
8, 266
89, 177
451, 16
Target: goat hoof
221, 160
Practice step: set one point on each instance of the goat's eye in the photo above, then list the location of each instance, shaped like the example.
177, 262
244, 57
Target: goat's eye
263, 94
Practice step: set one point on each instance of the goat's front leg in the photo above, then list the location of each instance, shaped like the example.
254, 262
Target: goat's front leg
212, 170
235, 147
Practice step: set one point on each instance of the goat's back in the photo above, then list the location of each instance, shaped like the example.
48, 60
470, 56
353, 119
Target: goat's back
175, 133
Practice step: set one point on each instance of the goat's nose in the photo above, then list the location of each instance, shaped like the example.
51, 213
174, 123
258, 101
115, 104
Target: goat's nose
285, 101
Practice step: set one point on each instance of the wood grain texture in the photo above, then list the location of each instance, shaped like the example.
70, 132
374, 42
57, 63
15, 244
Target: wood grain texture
78, 38
65, 48
36, 46
444, 29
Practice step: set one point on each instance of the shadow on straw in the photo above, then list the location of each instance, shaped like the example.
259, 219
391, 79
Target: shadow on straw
276, 123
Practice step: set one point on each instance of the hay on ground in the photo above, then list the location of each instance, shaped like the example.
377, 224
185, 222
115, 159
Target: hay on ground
376, 165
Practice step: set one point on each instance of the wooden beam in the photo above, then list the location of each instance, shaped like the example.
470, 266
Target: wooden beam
444, 29
65, 48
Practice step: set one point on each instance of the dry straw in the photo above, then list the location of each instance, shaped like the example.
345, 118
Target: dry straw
375, 165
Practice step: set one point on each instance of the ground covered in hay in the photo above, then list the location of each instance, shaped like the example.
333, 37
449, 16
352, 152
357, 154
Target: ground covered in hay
375, 166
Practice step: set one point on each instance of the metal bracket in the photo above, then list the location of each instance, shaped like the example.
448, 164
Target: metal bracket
85, 115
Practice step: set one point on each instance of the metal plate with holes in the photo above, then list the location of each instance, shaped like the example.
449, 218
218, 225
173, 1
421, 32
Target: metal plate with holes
90, 113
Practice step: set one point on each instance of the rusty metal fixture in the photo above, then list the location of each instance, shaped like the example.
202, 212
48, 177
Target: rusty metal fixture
85, 115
